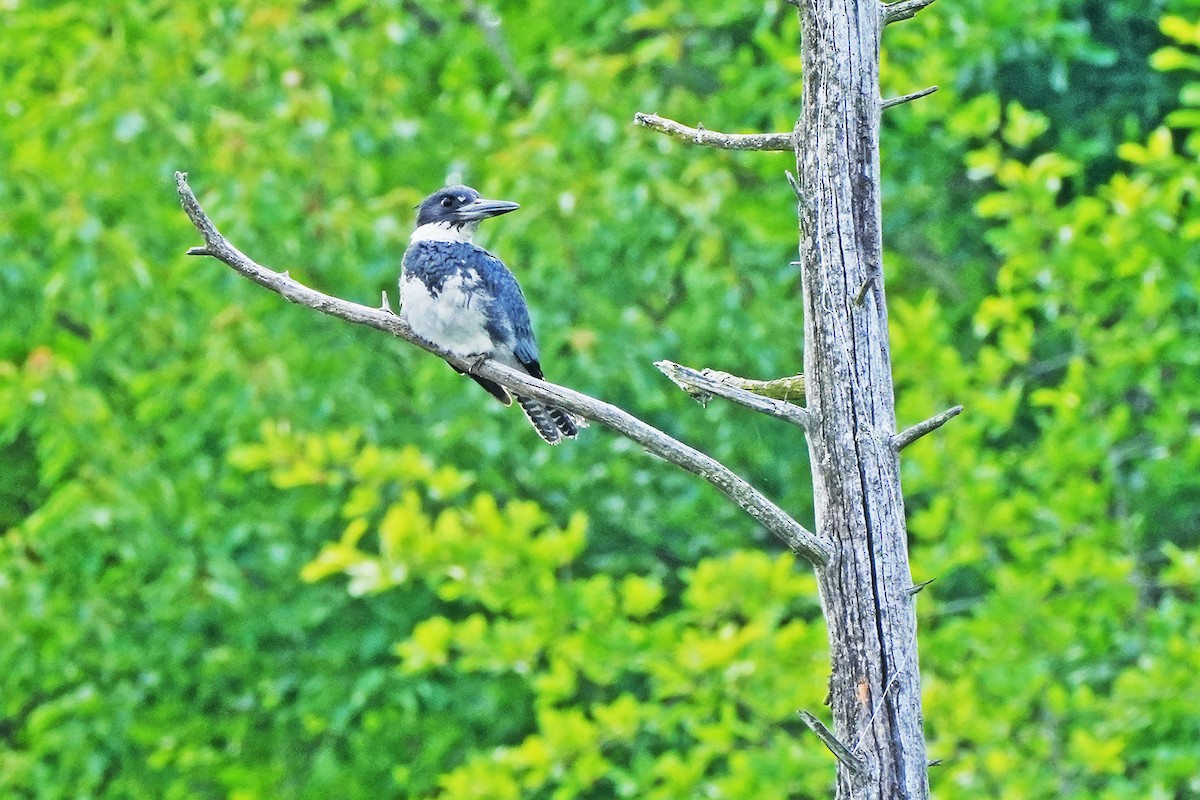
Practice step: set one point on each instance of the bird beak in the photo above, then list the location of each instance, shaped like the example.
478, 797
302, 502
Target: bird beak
482, 209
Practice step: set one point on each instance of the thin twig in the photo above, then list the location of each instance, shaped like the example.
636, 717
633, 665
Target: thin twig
907, 98
906, 9
769, 515
914, 589
854, 762
909, 435
767, 397
795, 184
723, 141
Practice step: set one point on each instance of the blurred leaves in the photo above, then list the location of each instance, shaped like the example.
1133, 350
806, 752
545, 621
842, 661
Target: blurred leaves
614, 677
1059, 538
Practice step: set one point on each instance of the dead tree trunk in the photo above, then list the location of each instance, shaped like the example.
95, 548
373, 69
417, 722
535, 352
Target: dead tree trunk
859, 550
874, 689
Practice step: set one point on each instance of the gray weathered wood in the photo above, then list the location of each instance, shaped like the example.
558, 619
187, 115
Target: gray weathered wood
721, 141
875, 691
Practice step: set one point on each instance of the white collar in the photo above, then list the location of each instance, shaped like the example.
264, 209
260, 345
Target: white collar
444, 232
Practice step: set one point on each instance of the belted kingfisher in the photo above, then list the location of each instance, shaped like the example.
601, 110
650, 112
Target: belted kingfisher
462, 298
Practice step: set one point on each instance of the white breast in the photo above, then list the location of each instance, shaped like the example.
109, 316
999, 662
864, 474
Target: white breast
452, 319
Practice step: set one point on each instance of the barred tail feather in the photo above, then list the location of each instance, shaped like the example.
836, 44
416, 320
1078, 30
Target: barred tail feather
552, 424
568, 423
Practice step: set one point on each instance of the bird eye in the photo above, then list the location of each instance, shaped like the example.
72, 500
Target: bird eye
447, 202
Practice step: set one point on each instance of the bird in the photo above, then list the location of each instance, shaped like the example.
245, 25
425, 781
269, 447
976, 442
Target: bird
460, 297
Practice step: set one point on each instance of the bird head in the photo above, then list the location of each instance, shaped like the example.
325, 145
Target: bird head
458, 206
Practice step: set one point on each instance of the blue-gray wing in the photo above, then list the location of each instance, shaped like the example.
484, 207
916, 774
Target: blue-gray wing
508, 315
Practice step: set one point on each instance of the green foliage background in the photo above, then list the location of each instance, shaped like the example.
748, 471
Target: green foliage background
246, 551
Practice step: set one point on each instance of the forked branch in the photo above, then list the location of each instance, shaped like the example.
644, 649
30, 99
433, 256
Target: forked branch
770, 516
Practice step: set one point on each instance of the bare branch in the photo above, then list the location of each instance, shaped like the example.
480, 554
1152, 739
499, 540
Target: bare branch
905, 9
761, 396
854, 762
793, 534
907, 98
723, 141
909, 435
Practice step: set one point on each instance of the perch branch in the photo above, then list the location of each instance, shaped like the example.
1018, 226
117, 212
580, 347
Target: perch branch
854, 762
907, 98
909, 435
774, 398
723, 141
770, 516
906, 9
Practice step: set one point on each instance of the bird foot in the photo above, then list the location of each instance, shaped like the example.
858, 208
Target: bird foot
477, 360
